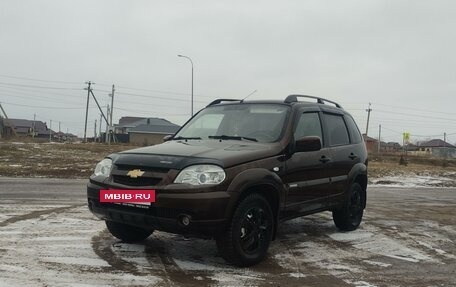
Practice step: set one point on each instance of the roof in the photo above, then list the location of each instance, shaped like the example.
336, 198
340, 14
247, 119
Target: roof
155, 129
134, 122
368, 138
129, 120
436, 143
21, 123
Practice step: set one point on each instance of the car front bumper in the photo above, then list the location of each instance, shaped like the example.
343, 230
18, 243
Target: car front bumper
205, 211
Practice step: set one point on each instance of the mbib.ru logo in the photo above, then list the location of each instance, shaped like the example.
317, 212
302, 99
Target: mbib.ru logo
123, 195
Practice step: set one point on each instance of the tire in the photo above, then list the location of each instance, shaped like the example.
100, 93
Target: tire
246, 239
349, 217
127, 233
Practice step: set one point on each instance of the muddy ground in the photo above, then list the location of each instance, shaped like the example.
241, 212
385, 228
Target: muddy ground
59, 160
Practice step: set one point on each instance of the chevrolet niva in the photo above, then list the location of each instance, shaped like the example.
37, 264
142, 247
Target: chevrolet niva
235, 171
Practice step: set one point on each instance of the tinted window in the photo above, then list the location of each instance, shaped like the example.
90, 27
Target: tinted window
308, 125
355, 135
337, 130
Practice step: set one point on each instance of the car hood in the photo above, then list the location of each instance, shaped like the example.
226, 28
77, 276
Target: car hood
179, 154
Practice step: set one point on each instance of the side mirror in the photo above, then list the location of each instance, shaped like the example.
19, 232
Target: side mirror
309, 143
167, 138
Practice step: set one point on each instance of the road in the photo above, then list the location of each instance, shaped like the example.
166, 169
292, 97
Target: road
49, 238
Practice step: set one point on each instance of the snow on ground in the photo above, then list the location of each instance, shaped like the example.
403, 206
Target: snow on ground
414, 180
406, 239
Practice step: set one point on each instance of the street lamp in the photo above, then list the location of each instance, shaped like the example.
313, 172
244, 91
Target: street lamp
192, 77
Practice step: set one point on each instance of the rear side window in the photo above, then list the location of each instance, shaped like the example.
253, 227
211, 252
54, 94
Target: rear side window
355, 135
337, 130
308, 125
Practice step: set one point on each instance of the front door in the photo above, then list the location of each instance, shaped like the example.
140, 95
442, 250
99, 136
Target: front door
304, 170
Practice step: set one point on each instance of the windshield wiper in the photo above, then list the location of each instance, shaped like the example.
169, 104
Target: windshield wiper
225, 137
186, 138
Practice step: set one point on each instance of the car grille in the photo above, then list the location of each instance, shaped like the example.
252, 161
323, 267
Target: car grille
152, 176
140, 181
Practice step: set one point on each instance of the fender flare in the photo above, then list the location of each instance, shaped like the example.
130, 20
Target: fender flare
250, 178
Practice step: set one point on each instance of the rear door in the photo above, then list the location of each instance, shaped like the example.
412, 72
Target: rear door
343, 155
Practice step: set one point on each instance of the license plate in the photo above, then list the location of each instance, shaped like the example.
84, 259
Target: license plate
142, 197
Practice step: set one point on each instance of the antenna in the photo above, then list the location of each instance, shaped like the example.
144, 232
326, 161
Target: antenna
249, 95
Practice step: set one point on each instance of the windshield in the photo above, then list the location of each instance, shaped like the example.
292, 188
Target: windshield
253, 122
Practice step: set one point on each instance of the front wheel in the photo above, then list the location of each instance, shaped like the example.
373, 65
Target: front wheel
349, 217
246, 240
127, 233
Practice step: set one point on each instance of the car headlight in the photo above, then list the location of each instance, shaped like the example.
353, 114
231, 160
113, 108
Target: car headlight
103, 168
201, 174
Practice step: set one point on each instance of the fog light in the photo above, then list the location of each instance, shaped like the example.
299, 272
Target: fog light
185, 220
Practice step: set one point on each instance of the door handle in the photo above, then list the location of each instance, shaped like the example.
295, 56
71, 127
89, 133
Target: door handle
352, 156
324, 159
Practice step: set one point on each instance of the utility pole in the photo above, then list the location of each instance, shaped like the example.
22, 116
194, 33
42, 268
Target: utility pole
101, 118
8, 121
89, 84
379, 136
107, 125
33, 126
95, 132
110, 116
50, 130
368, 118
444, 145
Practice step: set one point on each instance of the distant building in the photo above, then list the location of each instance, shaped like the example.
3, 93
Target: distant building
371, 143
436, 148
6, 130
390, 147
26, 127
145, 131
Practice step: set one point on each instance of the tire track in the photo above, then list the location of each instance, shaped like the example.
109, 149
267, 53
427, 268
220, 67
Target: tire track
175, 275
35, 214
101, 245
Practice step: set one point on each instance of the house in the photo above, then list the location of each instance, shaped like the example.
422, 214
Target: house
147, 134
436, 148
26, 127
143, 131
6, 130
390, 147
371, 143
127, 123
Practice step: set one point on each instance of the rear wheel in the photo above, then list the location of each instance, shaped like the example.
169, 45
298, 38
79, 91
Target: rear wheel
127, 233
246, 240
349, 217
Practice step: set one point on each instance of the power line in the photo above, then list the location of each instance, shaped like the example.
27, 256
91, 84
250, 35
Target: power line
40, 87
414, 109
148, 112
39, 80
147, 96
413, 115
50, 100
42, 107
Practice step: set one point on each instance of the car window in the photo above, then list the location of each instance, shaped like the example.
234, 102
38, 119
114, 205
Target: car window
308, 125
337, 130
262, 122
355, 135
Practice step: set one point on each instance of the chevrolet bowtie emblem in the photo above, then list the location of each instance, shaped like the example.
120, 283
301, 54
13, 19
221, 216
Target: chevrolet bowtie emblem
135, 173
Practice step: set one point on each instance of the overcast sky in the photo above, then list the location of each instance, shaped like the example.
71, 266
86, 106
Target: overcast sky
398, 55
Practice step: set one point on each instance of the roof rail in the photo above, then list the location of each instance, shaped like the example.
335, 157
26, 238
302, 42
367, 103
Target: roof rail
218, 101
294, 99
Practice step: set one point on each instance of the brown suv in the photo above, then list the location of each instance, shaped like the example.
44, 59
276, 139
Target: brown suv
236, 170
